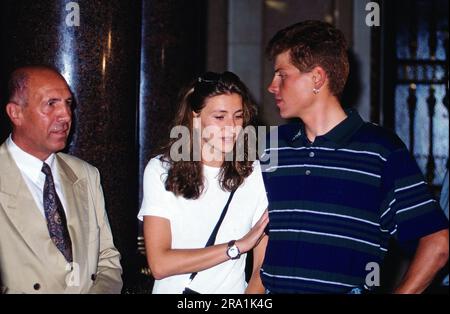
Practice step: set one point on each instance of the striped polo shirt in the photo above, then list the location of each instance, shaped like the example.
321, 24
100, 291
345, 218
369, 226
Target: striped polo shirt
335, 203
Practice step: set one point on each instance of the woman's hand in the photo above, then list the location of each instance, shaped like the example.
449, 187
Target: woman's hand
252, 238
165, 261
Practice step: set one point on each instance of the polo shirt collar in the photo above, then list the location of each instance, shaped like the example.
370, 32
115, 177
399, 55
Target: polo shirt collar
336, 137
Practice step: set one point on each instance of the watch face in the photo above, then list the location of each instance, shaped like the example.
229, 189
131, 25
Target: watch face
233, 251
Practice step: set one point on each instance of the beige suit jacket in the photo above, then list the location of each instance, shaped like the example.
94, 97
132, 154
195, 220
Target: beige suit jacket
29, 261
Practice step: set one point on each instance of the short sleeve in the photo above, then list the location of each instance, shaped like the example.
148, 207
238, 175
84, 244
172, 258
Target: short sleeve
444, 195
410, 211
261, 196
156, 199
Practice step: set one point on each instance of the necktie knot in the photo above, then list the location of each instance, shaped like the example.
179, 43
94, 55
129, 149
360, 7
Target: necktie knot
46, 169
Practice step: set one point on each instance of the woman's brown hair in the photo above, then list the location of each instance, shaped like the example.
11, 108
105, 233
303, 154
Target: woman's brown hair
185, 178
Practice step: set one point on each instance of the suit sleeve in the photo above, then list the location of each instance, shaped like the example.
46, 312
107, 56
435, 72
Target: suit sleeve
108, 277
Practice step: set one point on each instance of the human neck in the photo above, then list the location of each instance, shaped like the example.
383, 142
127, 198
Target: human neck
213, 163
24, 146
322, 117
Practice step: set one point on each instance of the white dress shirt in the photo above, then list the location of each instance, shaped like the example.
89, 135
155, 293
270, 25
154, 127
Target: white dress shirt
30, 167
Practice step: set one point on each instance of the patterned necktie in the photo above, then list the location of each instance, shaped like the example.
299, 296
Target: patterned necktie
56, 218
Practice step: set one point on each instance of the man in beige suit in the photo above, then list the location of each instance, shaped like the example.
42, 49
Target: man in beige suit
54, 232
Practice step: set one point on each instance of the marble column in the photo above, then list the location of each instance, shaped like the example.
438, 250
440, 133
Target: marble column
173, 52
95, 45
126, 62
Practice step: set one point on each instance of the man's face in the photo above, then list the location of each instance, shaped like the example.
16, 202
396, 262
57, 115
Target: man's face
43, 125
292, 89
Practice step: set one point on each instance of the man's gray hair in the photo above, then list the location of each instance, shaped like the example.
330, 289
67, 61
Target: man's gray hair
18, 82
17, 86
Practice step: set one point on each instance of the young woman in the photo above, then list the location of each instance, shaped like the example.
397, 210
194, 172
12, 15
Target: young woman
183, 199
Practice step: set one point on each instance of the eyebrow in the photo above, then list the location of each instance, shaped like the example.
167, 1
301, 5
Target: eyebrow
70, 99
225, 111
279, 69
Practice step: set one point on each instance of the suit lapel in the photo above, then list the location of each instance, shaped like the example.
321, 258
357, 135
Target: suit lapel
19, 205
75, 195
21, 209
23, 213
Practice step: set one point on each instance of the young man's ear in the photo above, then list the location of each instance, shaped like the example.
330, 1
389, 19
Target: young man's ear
319, 77
14, 112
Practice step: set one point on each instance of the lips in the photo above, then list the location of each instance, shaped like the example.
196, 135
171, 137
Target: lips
279, 101
60, 129
228, 139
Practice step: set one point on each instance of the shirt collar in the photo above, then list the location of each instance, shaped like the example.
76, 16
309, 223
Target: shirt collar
339, 135
27, 163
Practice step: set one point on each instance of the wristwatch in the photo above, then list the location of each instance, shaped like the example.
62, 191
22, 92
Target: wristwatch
232, 250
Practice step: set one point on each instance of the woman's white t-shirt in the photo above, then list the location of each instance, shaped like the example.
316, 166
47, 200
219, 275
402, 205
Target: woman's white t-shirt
192, 221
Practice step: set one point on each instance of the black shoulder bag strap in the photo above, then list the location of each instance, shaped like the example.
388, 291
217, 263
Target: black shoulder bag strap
212, 237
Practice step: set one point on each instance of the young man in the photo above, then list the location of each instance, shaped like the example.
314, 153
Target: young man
341, 187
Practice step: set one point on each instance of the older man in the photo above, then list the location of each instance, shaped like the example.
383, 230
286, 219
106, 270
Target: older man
54, 234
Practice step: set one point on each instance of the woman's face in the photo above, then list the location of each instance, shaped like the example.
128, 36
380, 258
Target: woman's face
220, 120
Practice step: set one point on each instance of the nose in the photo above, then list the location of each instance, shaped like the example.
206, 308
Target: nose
230, 126
64, 113
273, 86
234, 123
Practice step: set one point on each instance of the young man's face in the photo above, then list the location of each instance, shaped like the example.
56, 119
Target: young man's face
293, 90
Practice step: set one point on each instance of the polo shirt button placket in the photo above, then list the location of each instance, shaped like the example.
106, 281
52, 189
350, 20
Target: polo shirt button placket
311, 155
